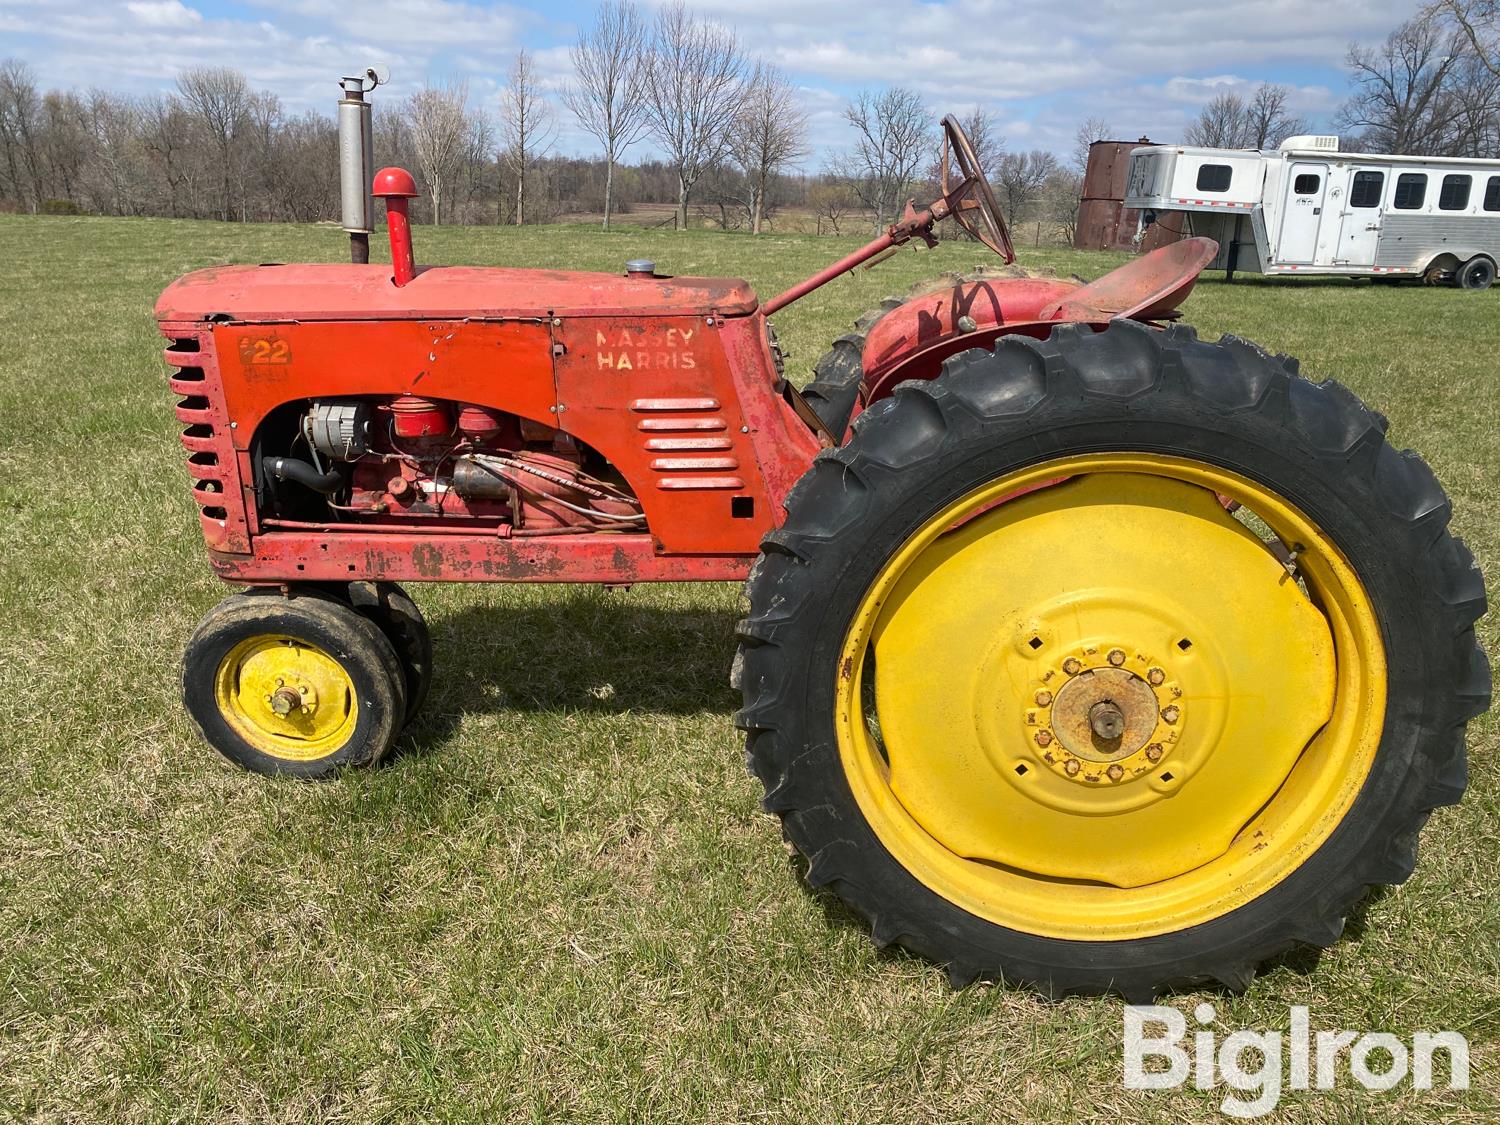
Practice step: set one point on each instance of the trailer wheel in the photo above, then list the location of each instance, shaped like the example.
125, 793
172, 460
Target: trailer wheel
1033, 696
391, 608
300, 686
1476, 273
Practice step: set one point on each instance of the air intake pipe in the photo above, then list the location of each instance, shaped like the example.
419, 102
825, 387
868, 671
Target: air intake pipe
396, 186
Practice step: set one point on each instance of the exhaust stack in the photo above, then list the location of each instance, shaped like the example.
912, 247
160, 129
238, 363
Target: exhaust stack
357, 162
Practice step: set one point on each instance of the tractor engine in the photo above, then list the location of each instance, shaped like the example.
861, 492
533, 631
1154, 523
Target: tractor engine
408, 460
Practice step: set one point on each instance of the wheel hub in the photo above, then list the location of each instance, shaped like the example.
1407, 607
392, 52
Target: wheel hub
285, 697
1108, 724
292, 695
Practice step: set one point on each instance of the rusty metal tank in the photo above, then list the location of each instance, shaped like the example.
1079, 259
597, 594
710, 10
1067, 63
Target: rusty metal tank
1104, 222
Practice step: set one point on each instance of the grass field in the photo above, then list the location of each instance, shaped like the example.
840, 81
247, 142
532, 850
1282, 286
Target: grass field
562, 901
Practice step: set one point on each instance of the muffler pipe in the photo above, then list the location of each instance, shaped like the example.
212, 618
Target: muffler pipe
357, 163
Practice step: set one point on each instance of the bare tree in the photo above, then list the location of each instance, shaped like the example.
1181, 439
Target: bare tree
1401, 101
67, 142
437, 122
1093, 130
1229, 121
985, 138
1222, 123
219, 98
1474, 123
303, 151
1479, 22
693, 84
1061, 195
831, 198
1268, 122
895, 138
527, 127
767, 135
267, 174
20, 129
166, 135
609, 61
478, 150
726, 194
116, 176
1020, 179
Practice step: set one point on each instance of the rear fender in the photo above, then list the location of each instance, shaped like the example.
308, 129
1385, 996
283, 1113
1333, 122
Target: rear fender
912, 341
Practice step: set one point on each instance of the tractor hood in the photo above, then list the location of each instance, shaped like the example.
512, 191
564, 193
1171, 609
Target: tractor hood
349, 292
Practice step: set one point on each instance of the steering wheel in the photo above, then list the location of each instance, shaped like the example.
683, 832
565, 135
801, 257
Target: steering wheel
971, 201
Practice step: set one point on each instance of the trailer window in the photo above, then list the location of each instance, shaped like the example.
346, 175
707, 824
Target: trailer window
1492, 194
1411, 190
1214, 177
1306, 184
1455, 193
1367, 189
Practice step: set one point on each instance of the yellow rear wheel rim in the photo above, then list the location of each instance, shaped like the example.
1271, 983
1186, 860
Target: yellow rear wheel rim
286, 697
1085, 701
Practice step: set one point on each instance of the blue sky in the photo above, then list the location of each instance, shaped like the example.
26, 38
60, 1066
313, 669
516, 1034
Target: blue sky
1040, 67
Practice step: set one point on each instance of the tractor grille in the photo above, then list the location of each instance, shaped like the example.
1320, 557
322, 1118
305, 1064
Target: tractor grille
688, 443
206, 437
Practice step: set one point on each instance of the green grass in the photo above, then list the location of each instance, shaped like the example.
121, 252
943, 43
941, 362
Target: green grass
562, 902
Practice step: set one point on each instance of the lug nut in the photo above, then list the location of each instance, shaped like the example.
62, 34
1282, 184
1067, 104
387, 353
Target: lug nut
1156, 676
1116, 772
1043, 698
1170, 714
1072, 666
1117, 656
1153, 752
1071, 769
1044, 738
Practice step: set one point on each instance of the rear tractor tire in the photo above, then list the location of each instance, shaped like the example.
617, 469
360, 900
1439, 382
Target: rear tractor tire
301, 685
1115, 662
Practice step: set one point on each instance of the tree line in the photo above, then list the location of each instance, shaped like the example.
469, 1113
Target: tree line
726, 133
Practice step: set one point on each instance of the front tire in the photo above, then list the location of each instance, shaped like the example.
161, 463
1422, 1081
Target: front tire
300, 685
1029, 699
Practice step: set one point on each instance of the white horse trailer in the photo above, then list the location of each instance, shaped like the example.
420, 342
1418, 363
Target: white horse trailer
1307, 208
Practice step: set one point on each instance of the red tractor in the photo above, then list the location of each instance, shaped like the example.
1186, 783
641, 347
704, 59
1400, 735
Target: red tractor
1080, 652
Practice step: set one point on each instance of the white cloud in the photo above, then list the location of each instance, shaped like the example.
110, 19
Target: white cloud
164, 13
1199, 90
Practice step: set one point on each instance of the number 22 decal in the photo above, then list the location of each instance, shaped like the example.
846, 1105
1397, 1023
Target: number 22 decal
266, 349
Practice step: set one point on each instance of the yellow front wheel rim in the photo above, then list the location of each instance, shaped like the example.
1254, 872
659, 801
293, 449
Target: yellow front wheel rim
1087, 702
286, 697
